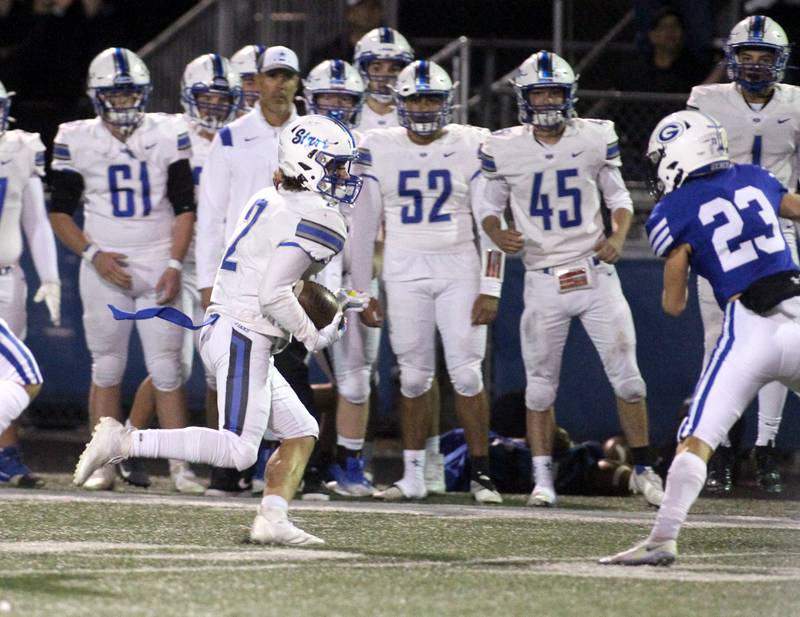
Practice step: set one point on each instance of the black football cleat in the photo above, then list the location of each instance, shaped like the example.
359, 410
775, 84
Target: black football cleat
132, 472
768, 476
720, 471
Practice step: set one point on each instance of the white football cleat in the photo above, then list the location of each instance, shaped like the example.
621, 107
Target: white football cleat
106, 446
101, 479
272, 526
645, 554
542, 497
434, 474
402, 490
648, 484
483, 490
184, 478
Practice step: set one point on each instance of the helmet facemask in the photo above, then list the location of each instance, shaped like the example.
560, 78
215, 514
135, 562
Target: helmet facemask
427, 121
756, 77
346, 114
381, 82
332, 186
547, 116
122, 105
213, 107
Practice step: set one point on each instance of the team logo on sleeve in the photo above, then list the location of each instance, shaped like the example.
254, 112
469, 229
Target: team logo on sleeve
670, 132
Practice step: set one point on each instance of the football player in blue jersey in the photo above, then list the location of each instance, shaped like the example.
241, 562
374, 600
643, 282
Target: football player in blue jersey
720, 219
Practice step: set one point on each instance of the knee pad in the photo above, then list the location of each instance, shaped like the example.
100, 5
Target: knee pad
630, 390
413, 382
167, 372
354, 385
107, 370
539, 394
242, 453
468, 379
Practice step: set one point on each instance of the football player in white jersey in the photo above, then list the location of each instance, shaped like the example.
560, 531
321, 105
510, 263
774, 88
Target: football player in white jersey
379, 56
22, 208
424, 179
762, 119
245, 62
283, 234
130, 169
335, 89
554, 168
211, 95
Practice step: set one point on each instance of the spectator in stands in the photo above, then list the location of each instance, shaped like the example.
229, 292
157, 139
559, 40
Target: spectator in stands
361, 16
669, 66
698, 23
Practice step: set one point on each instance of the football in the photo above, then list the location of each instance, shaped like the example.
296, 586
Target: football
319, 303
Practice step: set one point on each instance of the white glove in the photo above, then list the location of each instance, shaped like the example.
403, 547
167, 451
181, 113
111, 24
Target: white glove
352, 300
328, 335
50, 293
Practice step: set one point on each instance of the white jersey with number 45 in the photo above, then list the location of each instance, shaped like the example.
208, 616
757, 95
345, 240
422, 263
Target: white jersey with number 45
125, 184
555, 189
768, 137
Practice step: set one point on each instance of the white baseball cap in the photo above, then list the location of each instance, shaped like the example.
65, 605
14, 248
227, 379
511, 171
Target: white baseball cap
278, 57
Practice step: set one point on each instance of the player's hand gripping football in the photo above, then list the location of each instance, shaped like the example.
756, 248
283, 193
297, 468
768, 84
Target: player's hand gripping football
111, 266
168, 286
329, 334
372, 316
609, 249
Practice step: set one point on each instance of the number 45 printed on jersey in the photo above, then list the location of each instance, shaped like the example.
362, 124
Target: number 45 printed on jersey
540, 202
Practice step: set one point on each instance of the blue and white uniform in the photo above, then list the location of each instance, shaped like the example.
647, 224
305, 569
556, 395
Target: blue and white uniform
18, 368
730, 222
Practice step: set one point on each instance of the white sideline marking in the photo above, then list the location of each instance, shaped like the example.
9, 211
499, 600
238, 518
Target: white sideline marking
45, 547
464, 512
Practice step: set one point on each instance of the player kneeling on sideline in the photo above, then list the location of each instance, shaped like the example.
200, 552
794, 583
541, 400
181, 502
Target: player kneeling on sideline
720, 219
20, 382
424, 180
554, 168
283, 234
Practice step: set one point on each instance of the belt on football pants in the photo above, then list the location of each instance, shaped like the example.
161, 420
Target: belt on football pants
594, 261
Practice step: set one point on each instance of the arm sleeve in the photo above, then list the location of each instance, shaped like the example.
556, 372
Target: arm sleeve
321, 234
66, 191
275, 294
615, 193
364, 229
38, 231
180, 187
659, 233
211, 210
492, 258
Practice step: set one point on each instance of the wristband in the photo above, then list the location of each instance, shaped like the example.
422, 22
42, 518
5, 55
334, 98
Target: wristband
90, 252
175, 264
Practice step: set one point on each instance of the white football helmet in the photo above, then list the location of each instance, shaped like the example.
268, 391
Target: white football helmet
762, 33
312, 149
545, 69
5, 108
119, 87
335, 77
423, 78
685, 144
245, 62
381, 44
211, 74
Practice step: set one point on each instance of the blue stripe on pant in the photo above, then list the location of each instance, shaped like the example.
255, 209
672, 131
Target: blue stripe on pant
30, 375
712, 370
238, 382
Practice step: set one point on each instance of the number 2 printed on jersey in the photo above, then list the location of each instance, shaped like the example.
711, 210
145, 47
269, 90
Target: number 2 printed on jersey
438, 180
540, 202
123, 194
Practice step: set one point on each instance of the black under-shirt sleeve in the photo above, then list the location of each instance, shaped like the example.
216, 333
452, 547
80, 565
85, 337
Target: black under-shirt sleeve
180, 187
66, 191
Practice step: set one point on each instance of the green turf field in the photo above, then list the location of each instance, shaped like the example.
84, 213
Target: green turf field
126, 553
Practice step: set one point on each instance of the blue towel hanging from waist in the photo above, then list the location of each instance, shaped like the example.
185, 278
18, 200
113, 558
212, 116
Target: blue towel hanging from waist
167, 313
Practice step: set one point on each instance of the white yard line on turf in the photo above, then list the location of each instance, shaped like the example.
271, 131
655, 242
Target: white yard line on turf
415, 509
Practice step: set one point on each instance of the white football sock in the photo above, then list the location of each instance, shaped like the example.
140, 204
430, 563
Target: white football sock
432, 445
194, 444
414, 467
349, 443
13, 401
543, 471
274, 501
685, 480
771, 399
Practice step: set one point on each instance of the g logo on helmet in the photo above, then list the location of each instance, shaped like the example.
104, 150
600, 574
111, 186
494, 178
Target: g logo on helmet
670, 132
